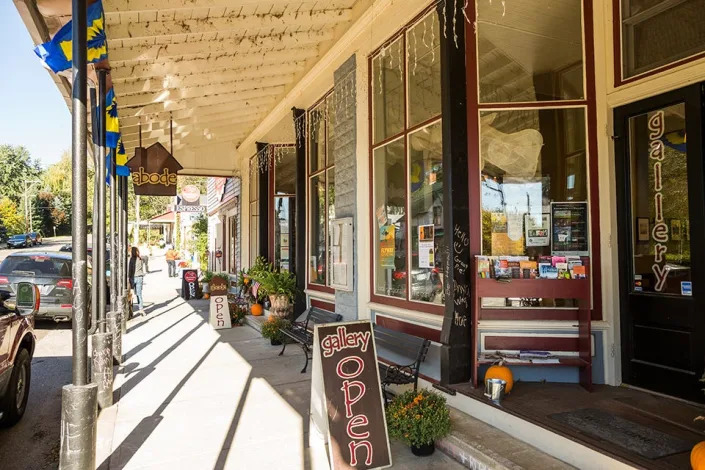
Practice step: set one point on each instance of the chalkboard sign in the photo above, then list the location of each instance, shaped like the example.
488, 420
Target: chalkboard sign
189, 285
345, 370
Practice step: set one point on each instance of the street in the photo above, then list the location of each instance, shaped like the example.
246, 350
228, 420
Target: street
33, 444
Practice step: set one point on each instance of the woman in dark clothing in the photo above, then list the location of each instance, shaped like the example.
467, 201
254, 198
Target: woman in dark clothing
136, 274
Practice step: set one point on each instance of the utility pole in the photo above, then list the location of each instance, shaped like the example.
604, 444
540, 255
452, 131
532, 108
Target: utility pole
79, 400
27, 204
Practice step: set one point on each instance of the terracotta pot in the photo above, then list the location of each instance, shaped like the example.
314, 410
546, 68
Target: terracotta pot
423, 450
280, 306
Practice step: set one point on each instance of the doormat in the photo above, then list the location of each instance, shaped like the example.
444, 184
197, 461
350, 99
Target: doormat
629, 435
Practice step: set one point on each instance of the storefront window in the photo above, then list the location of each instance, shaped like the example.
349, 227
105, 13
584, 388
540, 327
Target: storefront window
254, 211
658, 32
407, 165
321, 190
533, 167
284, 207
388, 91
232, 233
659, 193
530, 51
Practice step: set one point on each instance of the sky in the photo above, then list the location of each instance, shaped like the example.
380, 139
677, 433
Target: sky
33, 112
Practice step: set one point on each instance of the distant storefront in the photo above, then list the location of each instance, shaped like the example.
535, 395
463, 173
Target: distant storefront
223, 205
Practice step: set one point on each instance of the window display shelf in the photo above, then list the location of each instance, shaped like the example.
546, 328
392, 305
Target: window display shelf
577, 289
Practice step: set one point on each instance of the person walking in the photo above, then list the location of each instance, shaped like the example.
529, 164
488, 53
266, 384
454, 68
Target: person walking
136, 273
171, 256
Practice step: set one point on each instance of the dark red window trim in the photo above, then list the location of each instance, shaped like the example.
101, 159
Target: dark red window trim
474, 108
405, 303
323, 304
619, 79
324, 171
272, 195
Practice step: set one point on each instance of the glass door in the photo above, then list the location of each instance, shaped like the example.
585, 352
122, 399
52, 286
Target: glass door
661, 210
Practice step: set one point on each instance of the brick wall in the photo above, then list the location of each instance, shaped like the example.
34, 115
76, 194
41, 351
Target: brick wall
345, 149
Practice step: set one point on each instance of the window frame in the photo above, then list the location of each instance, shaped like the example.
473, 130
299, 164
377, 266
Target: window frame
405, 134
271, 191
618, 42
475, 108
323, 171
253, 201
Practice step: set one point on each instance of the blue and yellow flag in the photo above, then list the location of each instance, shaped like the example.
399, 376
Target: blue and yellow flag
112, 124
57, 53
121, 159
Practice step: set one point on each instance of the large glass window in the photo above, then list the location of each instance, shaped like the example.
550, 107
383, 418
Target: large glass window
321, 190
407, 166
530, 50
254, 210
658, 32
284, 201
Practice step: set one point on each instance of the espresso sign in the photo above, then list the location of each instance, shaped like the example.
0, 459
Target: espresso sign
154, 171
351, 396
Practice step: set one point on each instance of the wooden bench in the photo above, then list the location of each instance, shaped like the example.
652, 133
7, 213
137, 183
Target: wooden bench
301, 332
404, 345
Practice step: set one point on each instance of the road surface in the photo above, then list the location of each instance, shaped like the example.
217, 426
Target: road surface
33, 444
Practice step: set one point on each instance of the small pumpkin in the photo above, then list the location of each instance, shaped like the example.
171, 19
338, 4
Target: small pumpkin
697, 456
206, 295
256, 310
500, 371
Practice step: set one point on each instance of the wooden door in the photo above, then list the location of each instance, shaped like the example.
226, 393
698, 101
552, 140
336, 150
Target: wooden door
661, 225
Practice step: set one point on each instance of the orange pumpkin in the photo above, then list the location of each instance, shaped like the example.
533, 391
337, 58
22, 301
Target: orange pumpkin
500, 371
206, 295
256, 310
697, 456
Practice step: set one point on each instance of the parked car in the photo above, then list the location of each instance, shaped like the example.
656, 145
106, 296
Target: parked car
17, 341
19, 241
36, 238
50, 272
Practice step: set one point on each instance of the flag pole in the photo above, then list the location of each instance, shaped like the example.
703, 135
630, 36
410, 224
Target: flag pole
79, 400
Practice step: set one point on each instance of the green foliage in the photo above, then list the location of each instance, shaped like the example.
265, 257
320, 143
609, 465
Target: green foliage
270, 328
418, 418
277, 283
237, 313
200, 233
206, 276
10, 217
16, 167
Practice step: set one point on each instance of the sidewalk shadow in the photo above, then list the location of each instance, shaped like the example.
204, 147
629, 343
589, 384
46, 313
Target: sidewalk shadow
132, 382
152, 308
147, 426
220, 464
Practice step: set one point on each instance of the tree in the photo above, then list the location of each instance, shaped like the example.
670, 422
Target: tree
10, 217
16, 167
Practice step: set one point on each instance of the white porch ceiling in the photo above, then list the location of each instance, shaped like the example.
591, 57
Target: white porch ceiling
216, 67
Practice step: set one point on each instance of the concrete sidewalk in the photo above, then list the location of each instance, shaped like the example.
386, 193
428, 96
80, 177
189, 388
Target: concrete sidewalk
188, 397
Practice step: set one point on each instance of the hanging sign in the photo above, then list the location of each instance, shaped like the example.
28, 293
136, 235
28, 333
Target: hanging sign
219, 311
154, 171
346, 400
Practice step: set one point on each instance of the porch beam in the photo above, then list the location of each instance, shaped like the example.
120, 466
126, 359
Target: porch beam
196, 111
243, 44
289, 20
124, 6
131, 86
233, 130
211, 64
201, 92
244, 99
219, 120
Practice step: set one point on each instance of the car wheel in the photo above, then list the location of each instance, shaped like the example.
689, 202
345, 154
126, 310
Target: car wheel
14, 403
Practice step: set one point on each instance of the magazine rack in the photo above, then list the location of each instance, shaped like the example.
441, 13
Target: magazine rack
578, 289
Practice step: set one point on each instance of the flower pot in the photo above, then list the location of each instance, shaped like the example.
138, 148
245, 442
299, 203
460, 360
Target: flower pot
423, 450
280, 306
275, 342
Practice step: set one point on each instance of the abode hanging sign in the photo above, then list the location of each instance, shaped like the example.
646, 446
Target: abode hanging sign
154, 171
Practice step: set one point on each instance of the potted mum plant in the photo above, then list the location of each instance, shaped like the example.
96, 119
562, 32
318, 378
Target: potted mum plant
281, 289
418, 418
250, 287
270, 329
206, 278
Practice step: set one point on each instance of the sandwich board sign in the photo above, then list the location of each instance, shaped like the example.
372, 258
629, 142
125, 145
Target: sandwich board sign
347, 407
219, 311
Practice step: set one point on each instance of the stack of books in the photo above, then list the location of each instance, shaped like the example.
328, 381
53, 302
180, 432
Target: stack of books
522, 267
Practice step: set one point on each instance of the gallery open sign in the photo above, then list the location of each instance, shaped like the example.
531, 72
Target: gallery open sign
345, 370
